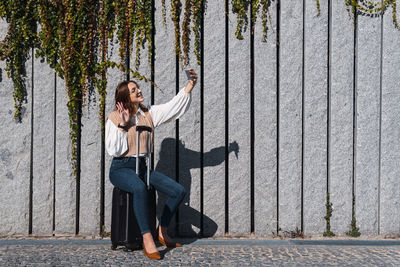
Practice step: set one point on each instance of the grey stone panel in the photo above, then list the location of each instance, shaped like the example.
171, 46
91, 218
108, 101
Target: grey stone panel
144, 69
65, 195
390, 130
290, 90
239, 129
114, 77
265, 143
89, 202
214, 119
341, 117
165, 67
315, 117
189, 153
43, 149
15, 148
367, 137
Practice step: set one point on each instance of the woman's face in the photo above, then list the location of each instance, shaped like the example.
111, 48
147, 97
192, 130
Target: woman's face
135, 93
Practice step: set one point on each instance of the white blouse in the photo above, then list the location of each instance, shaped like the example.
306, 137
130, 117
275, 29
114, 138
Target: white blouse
116, 141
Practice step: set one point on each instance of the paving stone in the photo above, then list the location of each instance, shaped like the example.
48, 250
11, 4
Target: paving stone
31, 253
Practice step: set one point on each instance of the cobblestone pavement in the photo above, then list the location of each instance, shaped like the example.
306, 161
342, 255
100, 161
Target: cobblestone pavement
98, 253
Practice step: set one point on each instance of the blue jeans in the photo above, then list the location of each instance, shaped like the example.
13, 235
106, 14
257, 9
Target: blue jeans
123, 175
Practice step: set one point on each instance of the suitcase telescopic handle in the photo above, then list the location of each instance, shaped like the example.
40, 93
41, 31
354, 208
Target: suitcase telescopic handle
147, 129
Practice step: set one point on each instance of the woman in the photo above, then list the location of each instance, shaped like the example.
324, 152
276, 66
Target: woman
121, 145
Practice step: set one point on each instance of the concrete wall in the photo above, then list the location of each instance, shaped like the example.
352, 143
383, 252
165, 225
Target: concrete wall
273, 127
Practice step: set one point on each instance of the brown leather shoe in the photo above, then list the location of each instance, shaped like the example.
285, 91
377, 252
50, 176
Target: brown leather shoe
153, 256
168, 244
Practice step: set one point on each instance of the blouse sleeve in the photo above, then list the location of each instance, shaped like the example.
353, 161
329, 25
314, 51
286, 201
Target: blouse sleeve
171, 110
116, 141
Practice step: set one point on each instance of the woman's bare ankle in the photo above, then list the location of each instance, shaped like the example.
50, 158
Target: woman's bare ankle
149, 244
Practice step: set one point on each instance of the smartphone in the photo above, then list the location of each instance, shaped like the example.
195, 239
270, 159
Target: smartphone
188, 75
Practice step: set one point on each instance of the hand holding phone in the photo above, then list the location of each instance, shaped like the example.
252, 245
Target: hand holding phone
192, 80
188, 75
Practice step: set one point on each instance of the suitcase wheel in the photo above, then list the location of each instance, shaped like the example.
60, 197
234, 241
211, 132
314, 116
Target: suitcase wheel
113, 246
131, 247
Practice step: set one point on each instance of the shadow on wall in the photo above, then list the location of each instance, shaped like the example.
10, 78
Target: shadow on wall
188, 216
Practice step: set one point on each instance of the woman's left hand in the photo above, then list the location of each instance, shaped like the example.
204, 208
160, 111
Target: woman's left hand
192, 82
193, 75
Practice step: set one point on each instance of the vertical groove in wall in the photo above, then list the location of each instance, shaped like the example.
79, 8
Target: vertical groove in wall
177, 139
251, 120
54, 151
31, 154
380, 130
302, 120
278, 20
152, 65
226, 116
354, 103
102, 170
102, 160
78, 165
328, 101
202, 120
127, 60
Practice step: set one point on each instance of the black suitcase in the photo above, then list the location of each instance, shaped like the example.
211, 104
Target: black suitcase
125, 230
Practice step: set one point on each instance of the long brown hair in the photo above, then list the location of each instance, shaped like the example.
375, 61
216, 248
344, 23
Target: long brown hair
122, 95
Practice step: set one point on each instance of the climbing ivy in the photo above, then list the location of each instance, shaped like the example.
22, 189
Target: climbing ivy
68, 34
73, 37
318, 7
354, 231
374, 8
240, 7
198, 7
328, 216
15, 49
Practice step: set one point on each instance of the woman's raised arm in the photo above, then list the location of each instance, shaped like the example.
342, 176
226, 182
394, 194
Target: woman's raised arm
177, 106
171, 110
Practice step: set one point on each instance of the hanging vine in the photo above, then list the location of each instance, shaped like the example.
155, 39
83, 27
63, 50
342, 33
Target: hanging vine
318, 7
198, 8
164, 12
77, 34
186, 30
374, 8
106, 32
142, 32
240, 7
16, 48
175, 16
73, 37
